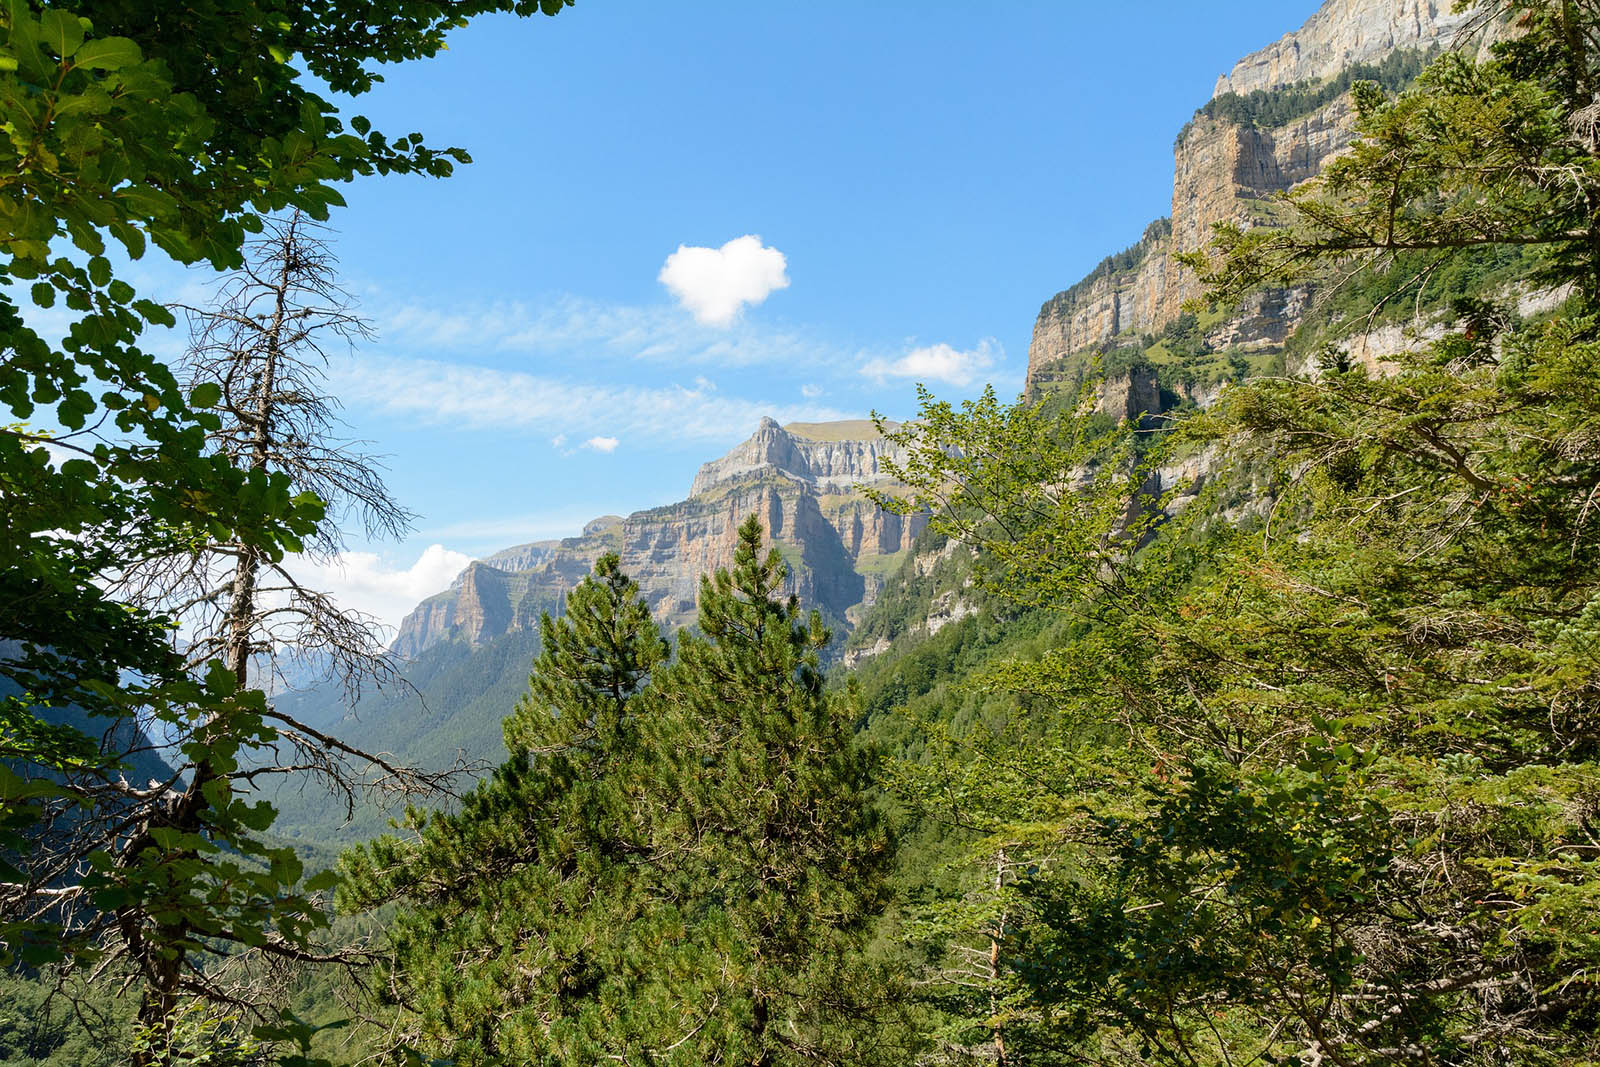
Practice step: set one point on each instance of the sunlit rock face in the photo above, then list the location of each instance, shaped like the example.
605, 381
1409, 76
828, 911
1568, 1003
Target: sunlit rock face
1222, 172
803, 481
1341, 34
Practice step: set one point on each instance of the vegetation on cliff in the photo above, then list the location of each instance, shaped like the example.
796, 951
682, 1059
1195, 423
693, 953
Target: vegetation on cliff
1318, 786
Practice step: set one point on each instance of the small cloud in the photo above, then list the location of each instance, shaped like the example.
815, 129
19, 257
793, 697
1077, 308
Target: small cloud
558, 440
811, 392
715, 284
704, 384
602, 444
936, 363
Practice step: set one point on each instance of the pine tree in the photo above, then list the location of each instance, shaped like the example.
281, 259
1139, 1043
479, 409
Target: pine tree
773, 856
515, 906
675, 867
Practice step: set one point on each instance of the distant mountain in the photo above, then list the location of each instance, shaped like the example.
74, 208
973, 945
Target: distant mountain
902, 601
800, 479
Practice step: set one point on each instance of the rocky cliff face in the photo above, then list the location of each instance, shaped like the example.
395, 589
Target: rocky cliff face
830, 456
800, 480
1221, 171
1341, 34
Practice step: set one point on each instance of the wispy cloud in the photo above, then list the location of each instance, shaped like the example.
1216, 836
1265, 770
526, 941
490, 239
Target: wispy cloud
366, 582
453, 394
937, 363
602, 444
568, 326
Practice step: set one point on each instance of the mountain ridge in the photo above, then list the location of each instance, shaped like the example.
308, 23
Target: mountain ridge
802, 480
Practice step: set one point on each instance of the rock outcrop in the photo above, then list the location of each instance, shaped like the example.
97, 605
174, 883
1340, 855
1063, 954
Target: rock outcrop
1222, 171
1341, 34
801, 480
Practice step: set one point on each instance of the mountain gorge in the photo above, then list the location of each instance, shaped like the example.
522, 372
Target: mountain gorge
1234, 701
890, 590
803, 480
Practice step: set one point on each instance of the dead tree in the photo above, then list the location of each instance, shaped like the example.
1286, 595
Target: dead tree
180, 845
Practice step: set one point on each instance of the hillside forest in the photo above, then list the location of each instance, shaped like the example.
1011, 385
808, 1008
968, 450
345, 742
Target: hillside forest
1273, 737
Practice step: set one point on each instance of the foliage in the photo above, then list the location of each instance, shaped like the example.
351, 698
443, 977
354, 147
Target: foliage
41, 1027
1475, 154
1319, 786
180, 127
677, 864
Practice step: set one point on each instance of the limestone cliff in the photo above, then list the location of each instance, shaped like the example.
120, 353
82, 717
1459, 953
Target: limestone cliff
1125, 294
1223, 169
1220, 169
800, 480
1341, 34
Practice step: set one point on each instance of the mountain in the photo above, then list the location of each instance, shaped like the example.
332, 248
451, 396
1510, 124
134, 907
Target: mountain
469, 647
907, 615
1274, 121
801, 479
1340, 35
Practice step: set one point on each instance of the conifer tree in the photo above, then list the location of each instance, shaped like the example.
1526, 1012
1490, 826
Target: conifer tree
773, 857
514, 906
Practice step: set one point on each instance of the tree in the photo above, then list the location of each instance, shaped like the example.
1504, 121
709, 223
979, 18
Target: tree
257, 358
515, 909
678, 865
1504, 152
181, 127
1362, 829
774, 857
259, 353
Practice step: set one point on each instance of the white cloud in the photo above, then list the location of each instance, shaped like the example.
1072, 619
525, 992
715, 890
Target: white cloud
602, 444
484, 398
363, 581
715, 284
558, 440
811, 392
936, 363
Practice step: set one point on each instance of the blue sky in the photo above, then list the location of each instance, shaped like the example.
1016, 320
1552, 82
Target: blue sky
914, 180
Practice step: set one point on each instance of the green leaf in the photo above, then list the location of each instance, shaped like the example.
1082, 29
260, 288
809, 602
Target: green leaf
321, 882
205, 395
61, 31
107, 53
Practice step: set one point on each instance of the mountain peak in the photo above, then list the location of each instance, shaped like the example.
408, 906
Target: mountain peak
829, 456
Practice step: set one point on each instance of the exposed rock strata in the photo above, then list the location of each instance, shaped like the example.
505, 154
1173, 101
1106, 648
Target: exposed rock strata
1222, 170
1341, 34
801, 481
